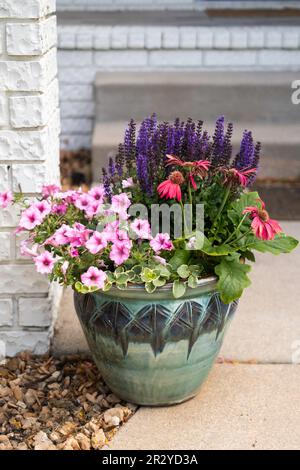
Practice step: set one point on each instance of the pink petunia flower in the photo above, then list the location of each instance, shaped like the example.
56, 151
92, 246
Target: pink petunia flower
262, 226
94, 277
59, 209
110, 229
83, 201
128, 183
160, 260
64, 267
121, 236
5, 199
77, 235
30, 218
74, 252
43, 207
120, 204
27, 250
142, 228
44, 263
93, 209
119, 253
60, 236
70, 196
97, 242
97, 193
161, 242
50, 190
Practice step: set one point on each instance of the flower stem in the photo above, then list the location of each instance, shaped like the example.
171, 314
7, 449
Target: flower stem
242, 236
190, 193
226, 195
236, 230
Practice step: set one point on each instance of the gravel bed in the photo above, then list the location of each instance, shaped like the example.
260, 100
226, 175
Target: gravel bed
49, 403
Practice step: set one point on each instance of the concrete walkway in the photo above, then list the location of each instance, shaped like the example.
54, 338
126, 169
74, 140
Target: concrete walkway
253, 403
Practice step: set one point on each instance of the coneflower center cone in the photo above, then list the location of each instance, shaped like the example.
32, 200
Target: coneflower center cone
176, 177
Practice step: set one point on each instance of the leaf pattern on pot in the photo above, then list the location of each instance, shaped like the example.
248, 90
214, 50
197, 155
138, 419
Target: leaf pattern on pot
155, 323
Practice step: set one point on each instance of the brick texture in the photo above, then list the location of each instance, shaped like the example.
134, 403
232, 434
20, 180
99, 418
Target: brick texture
29, 148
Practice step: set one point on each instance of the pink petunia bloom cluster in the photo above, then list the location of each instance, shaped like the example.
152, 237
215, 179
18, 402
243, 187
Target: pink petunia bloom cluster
70, 219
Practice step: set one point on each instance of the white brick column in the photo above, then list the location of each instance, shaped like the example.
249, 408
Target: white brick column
29, 157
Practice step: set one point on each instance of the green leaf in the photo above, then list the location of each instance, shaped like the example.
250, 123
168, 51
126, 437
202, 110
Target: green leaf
159, 282
180, 257
220, 250
249, 255
150, 287
178, 289
148, 275
85, 289
233, 278
280, 244
122, 278
192, 282
107, 286
183, 271
235, 213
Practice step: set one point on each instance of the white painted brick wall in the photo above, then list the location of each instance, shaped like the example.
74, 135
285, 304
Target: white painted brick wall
5, 252
31, 38
30, 75
34, 313
26, 8
6, 312
33, 111
29, 156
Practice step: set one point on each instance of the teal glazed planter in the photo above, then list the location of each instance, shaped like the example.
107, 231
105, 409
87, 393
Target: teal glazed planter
152, 349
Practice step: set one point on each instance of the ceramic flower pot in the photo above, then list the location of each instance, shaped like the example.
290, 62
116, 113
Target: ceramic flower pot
152, 349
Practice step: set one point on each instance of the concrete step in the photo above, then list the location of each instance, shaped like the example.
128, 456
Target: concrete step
240, 407
267, 323
252, 96
280, 156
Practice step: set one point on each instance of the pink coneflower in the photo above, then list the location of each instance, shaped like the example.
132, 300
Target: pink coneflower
199, 167
142, 228
238, 176
262, 226
170, 189
30, 218
44, 263
119, 253
161, 242
50, 190
94, 277
97, 242
5, 199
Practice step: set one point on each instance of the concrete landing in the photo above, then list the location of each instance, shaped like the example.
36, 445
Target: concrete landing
239, 407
